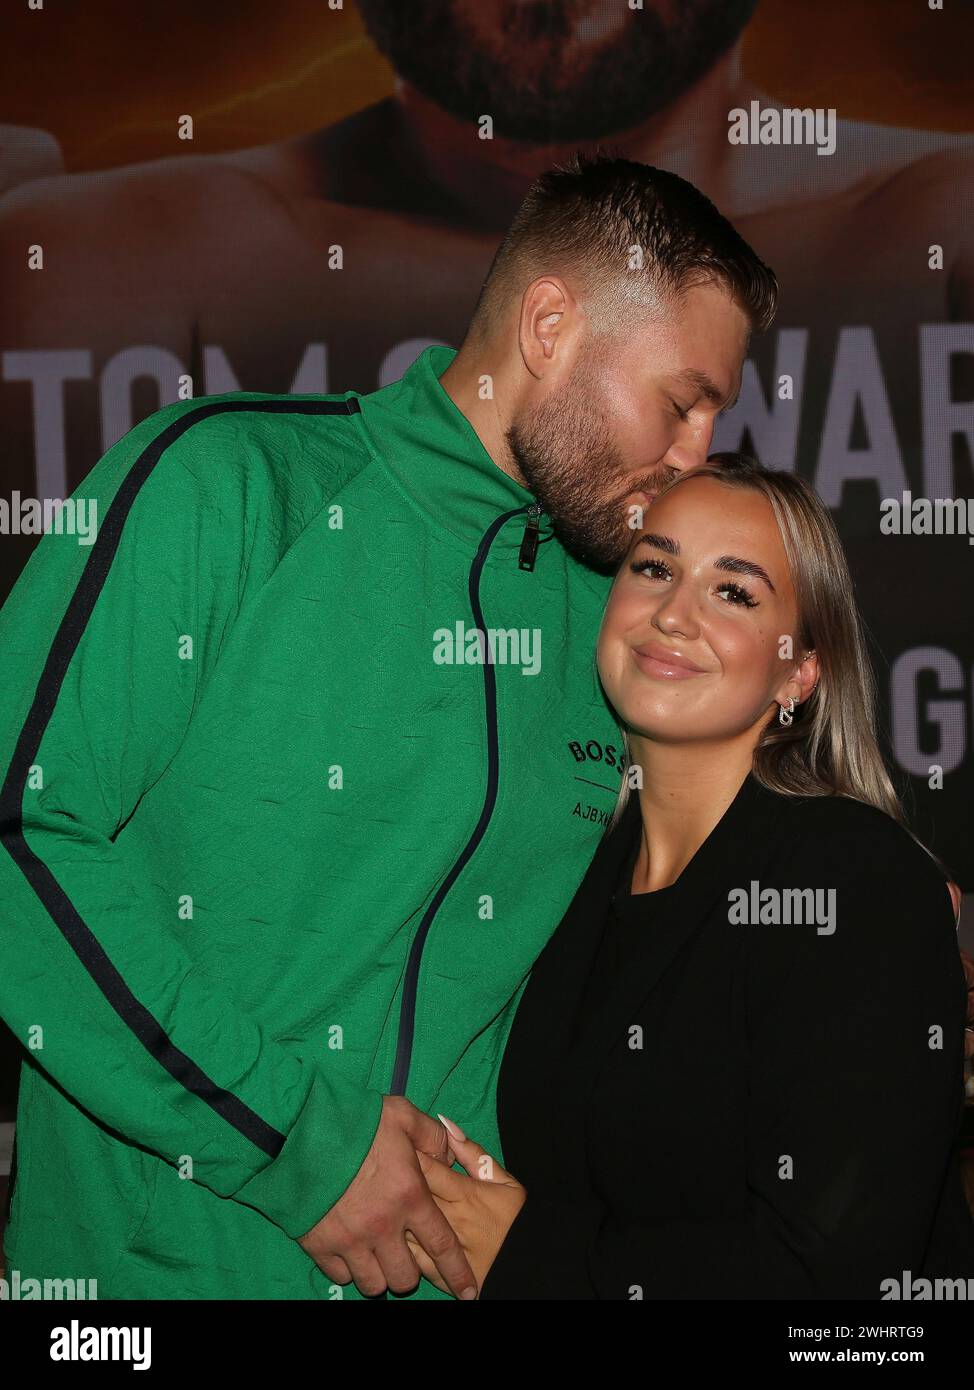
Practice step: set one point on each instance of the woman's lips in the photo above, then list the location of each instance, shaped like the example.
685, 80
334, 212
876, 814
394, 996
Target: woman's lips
654, 660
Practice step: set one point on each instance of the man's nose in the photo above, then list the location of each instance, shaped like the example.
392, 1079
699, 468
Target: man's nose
692, 449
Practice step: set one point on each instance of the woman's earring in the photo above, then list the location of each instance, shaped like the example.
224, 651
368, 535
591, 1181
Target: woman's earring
785, 716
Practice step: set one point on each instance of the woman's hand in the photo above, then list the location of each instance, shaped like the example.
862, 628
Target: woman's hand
480, 1204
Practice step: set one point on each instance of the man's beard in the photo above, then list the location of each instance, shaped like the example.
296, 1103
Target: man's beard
567, 459
554, 71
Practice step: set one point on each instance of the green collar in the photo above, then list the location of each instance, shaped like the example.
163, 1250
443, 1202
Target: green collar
434, 452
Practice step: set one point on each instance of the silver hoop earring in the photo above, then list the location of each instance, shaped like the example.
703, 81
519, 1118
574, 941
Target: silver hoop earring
785, 716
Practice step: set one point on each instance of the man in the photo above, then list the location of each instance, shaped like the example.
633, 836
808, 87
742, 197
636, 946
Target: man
306, 755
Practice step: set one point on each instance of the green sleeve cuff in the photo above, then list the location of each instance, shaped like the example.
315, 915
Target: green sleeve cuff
322, 1153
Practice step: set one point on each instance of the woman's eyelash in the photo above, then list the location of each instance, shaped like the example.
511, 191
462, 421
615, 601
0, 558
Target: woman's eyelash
739, 595
644, 567
681, 413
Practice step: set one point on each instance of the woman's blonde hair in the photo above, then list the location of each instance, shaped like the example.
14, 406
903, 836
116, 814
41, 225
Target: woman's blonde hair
830, 748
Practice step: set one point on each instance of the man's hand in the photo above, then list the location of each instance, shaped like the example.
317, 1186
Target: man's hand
363, 1238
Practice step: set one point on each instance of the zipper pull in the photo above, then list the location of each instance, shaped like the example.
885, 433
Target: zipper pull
529, 541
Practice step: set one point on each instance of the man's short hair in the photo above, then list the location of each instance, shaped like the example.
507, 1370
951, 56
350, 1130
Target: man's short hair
629, 238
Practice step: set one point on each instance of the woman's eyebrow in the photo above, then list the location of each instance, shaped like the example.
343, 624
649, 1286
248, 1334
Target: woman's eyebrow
664, 543
736, 566
729, 563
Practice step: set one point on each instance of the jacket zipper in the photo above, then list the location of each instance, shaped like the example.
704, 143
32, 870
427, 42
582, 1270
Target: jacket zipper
407, 1011
529, 541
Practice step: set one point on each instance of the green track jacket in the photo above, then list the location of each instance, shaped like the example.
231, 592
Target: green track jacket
281, 833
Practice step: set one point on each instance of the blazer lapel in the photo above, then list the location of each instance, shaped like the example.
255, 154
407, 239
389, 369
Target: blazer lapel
559, 974
738, 838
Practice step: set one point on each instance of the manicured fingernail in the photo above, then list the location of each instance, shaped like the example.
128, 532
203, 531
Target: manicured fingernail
469, 1293
457, 1133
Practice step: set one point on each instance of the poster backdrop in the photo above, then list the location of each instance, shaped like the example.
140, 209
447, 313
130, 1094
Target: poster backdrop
301, 196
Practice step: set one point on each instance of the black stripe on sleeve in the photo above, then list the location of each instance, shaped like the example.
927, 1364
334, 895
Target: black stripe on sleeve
74, 929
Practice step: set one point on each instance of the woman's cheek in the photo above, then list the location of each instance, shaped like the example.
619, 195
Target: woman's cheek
624, 616
748, 658
609, 657
735, 651
634, 614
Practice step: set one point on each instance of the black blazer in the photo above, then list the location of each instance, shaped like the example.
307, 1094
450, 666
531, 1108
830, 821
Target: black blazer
752, 1110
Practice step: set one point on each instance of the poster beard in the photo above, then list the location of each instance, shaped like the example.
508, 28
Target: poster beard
554, 71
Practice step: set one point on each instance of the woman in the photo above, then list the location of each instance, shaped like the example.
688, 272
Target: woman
736, 1069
